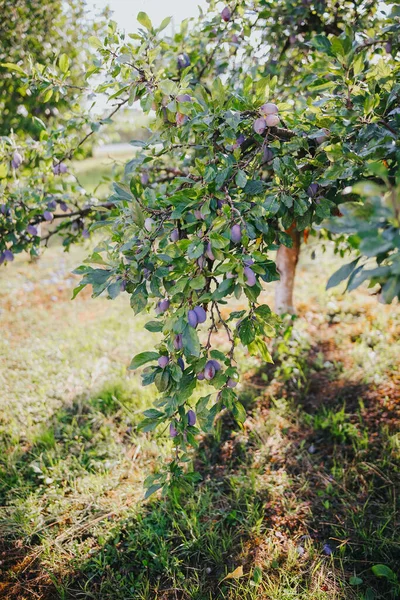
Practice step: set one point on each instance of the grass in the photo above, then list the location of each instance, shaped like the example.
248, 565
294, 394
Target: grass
304, 499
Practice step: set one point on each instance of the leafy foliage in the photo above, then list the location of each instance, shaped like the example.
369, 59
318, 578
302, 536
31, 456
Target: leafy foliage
248, 137
37, 35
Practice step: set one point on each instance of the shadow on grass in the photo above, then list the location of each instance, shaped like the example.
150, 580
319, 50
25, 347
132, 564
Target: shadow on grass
304, 499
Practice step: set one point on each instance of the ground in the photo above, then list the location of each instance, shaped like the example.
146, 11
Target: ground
301, 504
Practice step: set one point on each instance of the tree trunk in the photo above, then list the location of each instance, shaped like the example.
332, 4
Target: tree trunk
286, 261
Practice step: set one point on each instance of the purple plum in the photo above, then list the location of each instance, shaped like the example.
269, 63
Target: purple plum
48, 215
173, 432
209, 252
272, 120
52, 205
191, 417
183, 61
16, 161
163, 305
32, 230
248, 261
268, 155
231, 383
201, 261
178, 342
60, 169
63, 206
200, 313
199, 215
8, 255
269, 108
181, 364
200, 376
184, 98
163, 361
174, 237
144, 178
85, 234
209, 371
181, 119
249, 276
260, 125
239, 141
215, 364
192, 318
226, 14
236, 234
312, 190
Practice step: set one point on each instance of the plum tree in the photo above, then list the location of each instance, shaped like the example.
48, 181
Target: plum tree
304, 139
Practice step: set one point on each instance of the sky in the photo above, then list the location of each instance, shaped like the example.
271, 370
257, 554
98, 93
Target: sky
125, 11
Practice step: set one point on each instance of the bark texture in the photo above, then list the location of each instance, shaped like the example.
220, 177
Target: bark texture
286, 262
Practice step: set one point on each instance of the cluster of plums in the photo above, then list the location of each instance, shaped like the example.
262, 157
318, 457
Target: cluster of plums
269, 118
196, 315
17, 160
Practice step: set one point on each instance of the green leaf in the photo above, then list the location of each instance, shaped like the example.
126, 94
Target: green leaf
247, 332
164, 24
341, 274
154, 326
63, 63
367, 188
78, 289
254, 187
224, 289
161, 380
218, 91
197, 283
355, 580
47, 96
239, 412
144, 20
13, 67
384, 571
95, 42
218, 241
263, 311
321, 43
190, 339
114, 289
241, 179
152, 489
153, 413
142, 359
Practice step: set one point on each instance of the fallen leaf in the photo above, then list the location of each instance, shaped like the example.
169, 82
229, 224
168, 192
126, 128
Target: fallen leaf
238, 572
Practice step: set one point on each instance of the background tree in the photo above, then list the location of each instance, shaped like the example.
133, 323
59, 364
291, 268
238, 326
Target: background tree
271, 120
39, 32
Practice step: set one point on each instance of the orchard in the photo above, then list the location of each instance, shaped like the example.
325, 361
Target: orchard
271, 124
